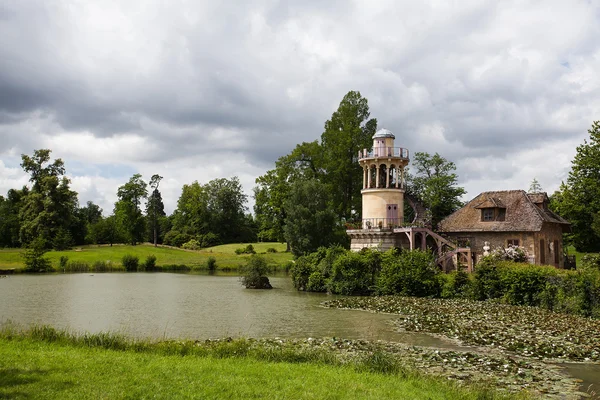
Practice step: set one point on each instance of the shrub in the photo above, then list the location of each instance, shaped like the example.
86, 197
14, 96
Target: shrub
255, 273
34, 258
209, 239
249, 249
211, 263
150, 263
510, 253
63, 262
192, 245
591, 261
316, 282
130, 262
271, 250
176, 238
411, 273
455, 284
300, 271
350, 274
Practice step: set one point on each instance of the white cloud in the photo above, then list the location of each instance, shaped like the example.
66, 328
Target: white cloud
200, 90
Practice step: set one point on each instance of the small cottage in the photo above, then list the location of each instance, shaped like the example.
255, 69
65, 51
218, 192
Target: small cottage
505, 218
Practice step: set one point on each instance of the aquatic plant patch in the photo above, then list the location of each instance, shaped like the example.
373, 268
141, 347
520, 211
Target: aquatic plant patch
527, 331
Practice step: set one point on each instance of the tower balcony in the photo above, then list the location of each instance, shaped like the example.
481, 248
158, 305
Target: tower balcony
384, 152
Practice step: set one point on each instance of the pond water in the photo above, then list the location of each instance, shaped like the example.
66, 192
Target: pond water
190, 306
170, 305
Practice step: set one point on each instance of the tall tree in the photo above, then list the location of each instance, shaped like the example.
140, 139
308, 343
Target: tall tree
435, 184
48, 210
128, 210
227, 208
310, 220
155, 207
10, 224
273, 188
579, 199
348, 130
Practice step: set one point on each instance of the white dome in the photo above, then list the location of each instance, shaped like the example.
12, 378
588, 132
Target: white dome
384, 133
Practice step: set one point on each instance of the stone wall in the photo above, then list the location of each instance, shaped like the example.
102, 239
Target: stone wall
530, 241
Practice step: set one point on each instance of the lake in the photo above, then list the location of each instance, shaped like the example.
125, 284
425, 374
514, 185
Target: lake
193, 306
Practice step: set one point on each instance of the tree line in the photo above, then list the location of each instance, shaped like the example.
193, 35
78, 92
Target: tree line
47, 214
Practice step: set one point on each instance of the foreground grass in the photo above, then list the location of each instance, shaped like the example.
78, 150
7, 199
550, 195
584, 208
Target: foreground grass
45, 364
165, 256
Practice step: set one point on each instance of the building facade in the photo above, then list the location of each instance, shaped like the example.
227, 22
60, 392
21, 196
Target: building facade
509, 218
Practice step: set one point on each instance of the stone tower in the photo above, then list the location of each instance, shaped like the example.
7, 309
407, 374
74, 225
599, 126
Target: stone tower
382, 193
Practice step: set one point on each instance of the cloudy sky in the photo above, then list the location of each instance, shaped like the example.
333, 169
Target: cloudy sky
196, 90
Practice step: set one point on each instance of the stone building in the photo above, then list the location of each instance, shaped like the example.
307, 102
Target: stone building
510, 217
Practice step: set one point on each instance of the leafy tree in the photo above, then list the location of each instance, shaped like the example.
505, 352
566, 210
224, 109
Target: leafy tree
579, 199
273, 188
226, 208
155, 208
535, 187
310, 220
348, 130
435, 184
50, 205
127, 208
10, 224
217, 207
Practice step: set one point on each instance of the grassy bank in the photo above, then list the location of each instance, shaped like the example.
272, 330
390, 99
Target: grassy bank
167, 257
44, 363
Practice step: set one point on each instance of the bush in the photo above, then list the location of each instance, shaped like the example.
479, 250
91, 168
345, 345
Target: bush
34, 258
271, 250
130, 262
350, 274
176, 238
192, 245
150, 263
211, 263
456, 284
209, 239
249, 249
255, 273
63, 262
316, 283
411, 273
301, 271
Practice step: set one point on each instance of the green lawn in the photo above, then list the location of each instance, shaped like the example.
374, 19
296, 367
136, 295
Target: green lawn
224, 254
33, 369
571, 251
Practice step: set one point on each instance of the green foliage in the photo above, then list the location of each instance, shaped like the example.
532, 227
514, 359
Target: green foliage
34, 257
217, 207
127, 208
254, 273
150, 263
350, 275
579, 199
130, 262
211, 264
435, 185
249, 249
271, 250
410, 273
176, 238
348, 130
192, 245
63, 262
63, 240
310, 222
51, 205
456, 284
